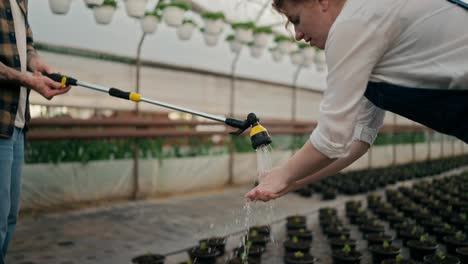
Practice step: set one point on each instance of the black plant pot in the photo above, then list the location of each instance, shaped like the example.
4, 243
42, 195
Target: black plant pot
239, 260
367, 229
419, 249
340, 257
339, 242
203, 255
258, 240
378, 239
292, 246
379, 253
440, 233
407, 235
452, 243
290, 226
149, 259
218, 243
337, 231
305, 258
253, 252
301, 234
263, 229
396, 219
394, 261
462, 253
434, 259
431, 224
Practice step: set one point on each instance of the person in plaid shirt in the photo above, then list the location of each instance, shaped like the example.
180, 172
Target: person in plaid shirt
17, 55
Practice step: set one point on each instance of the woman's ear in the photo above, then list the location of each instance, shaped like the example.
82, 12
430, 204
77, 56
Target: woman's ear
324, 4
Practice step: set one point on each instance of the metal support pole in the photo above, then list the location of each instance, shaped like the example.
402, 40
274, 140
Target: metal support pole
294, 104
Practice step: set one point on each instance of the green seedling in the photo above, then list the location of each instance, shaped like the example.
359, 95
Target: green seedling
399, 259
203, 245
460, 236
346, 249
254, 233
422, 238
249, 244
302, 230
441, 255
299, 254
295, 240
386, 244
342, 237
297, 219
463, 217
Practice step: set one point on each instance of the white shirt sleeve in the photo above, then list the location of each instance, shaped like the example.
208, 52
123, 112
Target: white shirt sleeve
352, 50
369, 122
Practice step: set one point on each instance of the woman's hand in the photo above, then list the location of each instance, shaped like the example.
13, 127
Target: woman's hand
272, 185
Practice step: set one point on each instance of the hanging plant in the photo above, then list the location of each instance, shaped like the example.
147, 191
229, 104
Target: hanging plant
103, 14
149, 22
210, 39
285, 45
185, 31
234, 45
276, 54
93, 3
244, 31
60, 7
255, 51
262, 36
173, 12
214, 22
297, 58
135, 8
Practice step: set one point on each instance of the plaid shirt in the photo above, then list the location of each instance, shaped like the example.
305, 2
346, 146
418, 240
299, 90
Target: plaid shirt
10, 91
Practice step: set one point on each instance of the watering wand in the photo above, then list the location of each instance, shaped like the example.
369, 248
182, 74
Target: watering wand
258, 134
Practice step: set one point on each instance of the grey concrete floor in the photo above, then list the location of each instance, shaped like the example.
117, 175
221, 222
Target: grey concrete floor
115, 234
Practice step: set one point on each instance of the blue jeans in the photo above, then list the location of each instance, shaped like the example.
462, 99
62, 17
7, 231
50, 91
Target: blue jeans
11, 168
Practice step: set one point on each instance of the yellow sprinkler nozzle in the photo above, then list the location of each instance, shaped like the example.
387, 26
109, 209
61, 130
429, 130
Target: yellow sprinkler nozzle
259, 136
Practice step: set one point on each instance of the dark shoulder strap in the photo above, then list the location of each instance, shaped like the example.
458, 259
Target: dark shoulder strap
462, 3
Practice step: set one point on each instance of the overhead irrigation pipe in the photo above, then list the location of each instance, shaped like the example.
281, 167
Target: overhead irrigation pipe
258, 134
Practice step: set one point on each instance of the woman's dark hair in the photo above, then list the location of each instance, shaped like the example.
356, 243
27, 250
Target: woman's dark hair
278, 4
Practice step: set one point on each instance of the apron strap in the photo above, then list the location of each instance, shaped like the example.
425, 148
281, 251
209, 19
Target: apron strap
462, 3
445, 111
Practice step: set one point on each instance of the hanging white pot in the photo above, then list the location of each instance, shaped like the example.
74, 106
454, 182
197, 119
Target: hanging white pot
262, 39
60, 7
135, 8
285, 47
149, 24
297, 58
173, 16
93, 2
277, 55
255, 51
244, 35
103, 14
185, 31
235, 46
210, 40
309, 53
213, 26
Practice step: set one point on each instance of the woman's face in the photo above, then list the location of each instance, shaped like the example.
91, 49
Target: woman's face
312, 19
